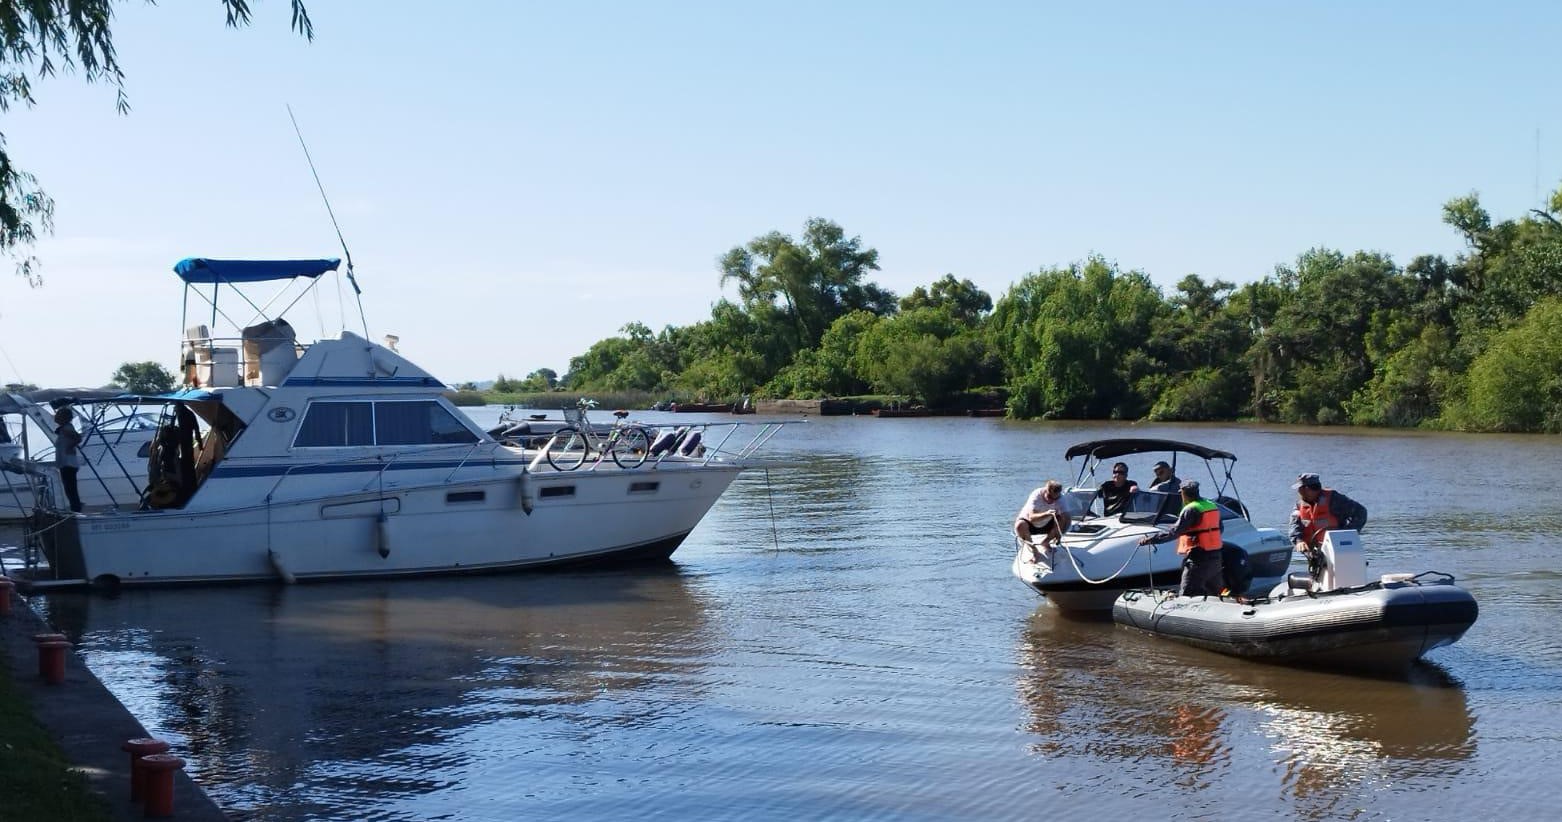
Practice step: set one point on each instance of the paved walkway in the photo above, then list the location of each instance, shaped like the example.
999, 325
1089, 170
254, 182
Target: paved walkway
87, 721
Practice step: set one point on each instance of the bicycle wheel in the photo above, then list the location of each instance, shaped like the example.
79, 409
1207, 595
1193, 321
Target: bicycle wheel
567, 450
630, 447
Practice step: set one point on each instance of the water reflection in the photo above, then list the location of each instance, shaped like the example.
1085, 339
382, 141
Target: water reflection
1161, 714
335, 693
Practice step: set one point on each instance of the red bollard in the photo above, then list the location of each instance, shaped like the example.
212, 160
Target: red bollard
138, 748
51, 660
5, 596
158, 772
40, 639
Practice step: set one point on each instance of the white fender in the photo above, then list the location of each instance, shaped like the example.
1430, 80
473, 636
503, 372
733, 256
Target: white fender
526, 493
382, 535
279, 568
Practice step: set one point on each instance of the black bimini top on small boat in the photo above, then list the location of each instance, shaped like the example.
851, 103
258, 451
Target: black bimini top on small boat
1107, 449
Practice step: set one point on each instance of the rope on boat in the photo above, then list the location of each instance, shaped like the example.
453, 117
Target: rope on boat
1081, 571
771, 499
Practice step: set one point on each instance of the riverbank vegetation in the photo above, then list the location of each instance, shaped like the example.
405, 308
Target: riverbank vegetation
39, 783
1331, 338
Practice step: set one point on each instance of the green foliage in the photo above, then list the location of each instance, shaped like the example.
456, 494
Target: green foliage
1207, 393
827, 371
1065, 335
543, 379
811, 282
1312, 357
556, 400
466, 398
960, 298
926, 353
637, 361
143, 378
36, 40
1334, 338
1516, 384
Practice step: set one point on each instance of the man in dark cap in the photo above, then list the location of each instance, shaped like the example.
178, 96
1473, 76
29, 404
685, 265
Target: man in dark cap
1165, 480
1320, 510
1198, 539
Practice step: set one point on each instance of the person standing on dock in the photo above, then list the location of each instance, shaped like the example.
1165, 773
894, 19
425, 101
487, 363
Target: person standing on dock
1198, 538
67, 455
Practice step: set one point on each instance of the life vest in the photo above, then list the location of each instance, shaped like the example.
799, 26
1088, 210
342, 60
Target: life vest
1206, 534
1316, 518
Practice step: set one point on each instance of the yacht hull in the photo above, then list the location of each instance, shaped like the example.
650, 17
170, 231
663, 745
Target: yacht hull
440, 528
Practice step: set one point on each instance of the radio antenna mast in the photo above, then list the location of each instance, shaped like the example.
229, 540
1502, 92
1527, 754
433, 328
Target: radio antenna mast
357, 292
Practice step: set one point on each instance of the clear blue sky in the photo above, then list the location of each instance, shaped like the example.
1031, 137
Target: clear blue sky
518, 180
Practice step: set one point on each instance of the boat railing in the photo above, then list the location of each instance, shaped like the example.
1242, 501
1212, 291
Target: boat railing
709, 449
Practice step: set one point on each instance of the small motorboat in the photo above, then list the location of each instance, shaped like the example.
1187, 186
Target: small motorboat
1100, 557
1331, 618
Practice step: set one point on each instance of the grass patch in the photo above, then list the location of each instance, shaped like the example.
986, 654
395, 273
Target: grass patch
35, 780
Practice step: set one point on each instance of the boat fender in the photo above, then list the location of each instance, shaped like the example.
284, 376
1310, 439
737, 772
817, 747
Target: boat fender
691, 443
279, 567
526, 494
382, 534
665, 441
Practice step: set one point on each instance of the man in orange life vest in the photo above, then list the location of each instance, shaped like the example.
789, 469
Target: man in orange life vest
1320, 510
1198, 538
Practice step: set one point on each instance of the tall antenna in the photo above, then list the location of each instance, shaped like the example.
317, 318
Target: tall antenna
357, 292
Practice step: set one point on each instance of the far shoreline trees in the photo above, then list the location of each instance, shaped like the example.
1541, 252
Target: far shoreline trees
1332, 338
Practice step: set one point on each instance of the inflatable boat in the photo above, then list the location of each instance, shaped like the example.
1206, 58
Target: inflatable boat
1331, 618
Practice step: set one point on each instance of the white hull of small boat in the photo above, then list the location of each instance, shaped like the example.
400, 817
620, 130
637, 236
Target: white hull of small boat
1380, 626
1100, 557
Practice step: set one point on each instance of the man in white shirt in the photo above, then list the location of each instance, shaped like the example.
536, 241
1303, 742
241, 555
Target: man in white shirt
1042, 514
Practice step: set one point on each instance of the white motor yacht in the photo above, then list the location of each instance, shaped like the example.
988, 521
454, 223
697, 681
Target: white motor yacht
1100, 557
343, 459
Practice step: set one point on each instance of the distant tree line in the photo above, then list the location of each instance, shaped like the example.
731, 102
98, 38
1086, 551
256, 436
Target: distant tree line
1470, 343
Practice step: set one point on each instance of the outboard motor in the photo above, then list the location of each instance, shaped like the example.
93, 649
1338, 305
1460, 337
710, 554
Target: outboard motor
1344, 564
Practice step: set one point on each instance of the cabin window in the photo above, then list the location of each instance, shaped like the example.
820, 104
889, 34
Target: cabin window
643, 487
465, 496
557, 491
336, 425
418, 423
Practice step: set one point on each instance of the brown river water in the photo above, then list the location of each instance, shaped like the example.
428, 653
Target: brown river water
841, 638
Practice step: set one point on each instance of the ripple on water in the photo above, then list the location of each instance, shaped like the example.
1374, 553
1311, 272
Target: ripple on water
864, 654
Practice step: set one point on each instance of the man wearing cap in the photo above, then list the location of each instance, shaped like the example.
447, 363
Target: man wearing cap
1198, 539
1165, 480
1320, 510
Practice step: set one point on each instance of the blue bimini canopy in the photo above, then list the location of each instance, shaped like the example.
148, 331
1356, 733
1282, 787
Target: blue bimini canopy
202, 270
